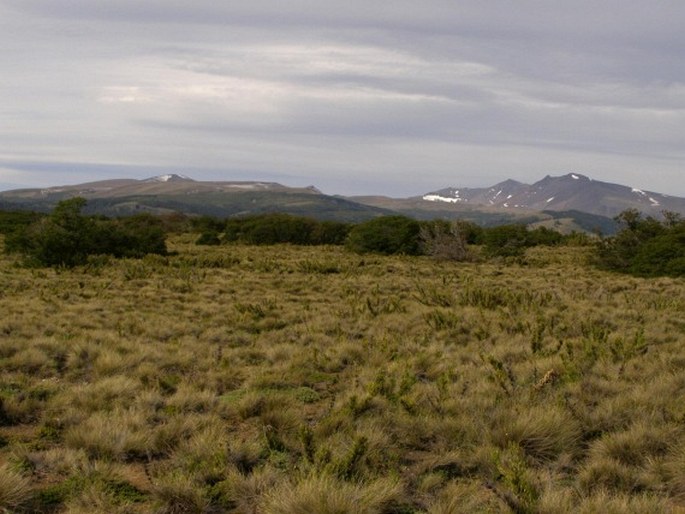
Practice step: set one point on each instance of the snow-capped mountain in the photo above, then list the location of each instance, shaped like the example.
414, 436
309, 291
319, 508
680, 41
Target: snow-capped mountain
172, 177
568, 192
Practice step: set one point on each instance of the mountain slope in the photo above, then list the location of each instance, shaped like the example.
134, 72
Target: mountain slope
566, 193
176, 193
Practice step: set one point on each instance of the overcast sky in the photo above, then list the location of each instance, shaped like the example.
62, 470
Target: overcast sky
358, 96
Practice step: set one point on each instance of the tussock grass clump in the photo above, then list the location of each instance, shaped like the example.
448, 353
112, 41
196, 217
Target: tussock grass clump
177, 493
543, 433
117, 435
15, 489
625, 504
638, 444
327, 495
468, 496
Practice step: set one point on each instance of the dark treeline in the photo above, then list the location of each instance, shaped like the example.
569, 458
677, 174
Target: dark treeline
384, 235
273, 228
66, 237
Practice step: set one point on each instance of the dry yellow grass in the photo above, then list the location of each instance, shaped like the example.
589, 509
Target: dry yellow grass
283, 379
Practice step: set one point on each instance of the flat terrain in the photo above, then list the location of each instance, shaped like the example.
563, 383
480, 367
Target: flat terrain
312, 380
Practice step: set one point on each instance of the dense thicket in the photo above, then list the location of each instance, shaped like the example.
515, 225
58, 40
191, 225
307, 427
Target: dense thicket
67, 238
444, 239
284, 228
645, 246
512, 240
15, 221
386, 235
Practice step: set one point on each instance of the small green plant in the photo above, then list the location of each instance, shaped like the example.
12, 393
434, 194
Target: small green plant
521, 493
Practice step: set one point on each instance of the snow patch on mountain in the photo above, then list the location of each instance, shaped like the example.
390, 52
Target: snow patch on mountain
171, 177
438, 198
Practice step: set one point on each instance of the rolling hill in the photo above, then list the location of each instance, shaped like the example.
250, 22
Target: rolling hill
177, 193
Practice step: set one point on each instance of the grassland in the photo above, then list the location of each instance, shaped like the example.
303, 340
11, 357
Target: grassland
311, 380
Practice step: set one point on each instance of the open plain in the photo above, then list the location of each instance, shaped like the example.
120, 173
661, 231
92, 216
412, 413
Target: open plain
287, 379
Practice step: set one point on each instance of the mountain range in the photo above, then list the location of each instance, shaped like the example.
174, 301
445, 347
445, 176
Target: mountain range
568, 192
568, 202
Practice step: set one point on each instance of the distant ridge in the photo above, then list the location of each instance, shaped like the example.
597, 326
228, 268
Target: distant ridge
169, 193
572, 191
568, 202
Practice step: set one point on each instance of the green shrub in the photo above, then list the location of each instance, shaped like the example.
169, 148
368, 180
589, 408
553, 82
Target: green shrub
134, 236
207, 224
645, 246
269, 229
14, 221
506, 241
544, 236
386, 235
68, 238
330, 233
208, 238
62, 239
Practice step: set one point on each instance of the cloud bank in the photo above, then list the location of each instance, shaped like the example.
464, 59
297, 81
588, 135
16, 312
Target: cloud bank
355, 97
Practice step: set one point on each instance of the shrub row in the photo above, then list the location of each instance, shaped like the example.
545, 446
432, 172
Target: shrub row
644, 246
384, 235
284, 228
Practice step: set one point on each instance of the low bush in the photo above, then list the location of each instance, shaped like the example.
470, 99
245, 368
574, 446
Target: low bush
208, 238
13, 221
68, 238
284, 228
506, 241
386, 235
645, 246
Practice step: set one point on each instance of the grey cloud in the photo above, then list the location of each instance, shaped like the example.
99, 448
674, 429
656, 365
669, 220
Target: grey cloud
271, 87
